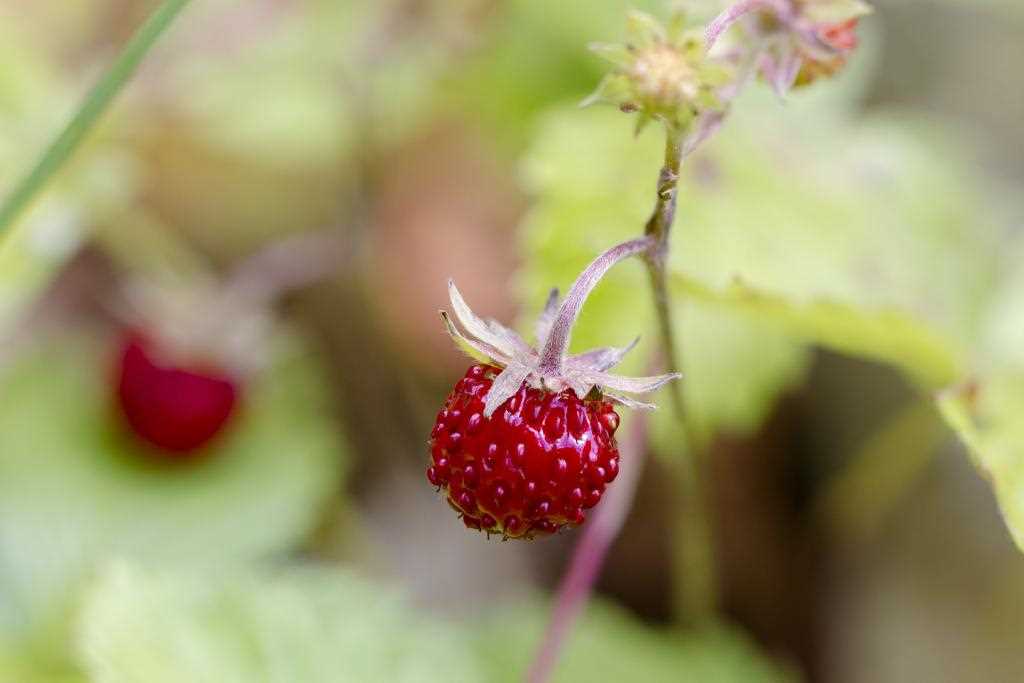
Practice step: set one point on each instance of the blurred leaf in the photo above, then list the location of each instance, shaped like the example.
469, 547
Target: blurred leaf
608, 645
594, 187
21, 669
320, 625
867, 236
795, 225
534, 55
1000, 344
987, 411
886, 335
989, 417
303, 626
75, 488
270, 130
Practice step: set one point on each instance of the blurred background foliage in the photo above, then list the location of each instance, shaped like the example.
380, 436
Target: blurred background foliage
846, 266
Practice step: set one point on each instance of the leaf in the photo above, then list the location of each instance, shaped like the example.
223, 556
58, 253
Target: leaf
75, 488
885, 335
535, 55
594, 186
989, 417
320, 625
987, 411
311, 625
796, 226
609, 645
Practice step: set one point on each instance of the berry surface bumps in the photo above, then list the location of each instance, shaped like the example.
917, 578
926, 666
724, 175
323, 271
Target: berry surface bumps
536, 465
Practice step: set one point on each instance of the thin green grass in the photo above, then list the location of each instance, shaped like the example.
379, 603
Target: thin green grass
95, 104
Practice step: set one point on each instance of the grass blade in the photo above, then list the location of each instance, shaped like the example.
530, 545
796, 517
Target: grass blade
97, 101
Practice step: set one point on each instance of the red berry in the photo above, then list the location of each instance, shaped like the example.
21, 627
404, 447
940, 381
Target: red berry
531, 468
177, 409
841, 36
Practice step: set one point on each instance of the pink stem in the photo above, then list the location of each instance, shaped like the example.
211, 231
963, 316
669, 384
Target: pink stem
731, 15
588, 557
290, 263
561, 328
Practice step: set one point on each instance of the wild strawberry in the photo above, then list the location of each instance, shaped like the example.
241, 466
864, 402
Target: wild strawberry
534, 466
176, 408
525, 443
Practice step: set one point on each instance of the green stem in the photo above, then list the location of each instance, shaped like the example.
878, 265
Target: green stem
92, 108
697, 586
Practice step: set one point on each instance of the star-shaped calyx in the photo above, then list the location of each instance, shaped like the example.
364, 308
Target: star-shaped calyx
548, 365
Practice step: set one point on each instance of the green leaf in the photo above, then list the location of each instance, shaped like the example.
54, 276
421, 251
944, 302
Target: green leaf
609, 645
238, 626
594, 186
21, 669
533, 56
887, 335
322, 625
795, 226
75, 488
987, 411
989, 418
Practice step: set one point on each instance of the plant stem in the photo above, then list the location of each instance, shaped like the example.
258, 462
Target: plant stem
557, 342
588, 557
734, 13
697, 590
697, 596
95, 104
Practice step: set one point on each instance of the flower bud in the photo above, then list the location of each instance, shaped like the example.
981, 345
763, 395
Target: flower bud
662, 73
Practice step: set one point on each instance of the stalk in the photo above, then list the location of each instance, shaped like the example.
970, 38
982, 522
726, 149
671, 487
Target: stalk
588, 557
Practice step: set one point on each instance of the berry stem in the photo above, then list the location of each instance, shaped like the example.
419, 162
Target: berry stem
557, 343
697, 592
588, 557
734, 13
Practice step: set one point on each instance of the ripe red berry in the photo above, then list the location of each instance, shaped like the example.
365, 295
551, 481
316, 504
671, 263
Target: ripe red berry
534, 466
177, 409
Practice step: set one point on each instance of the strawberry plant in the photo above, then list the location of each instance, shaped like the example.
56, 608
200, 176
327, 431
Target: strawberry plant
731, 199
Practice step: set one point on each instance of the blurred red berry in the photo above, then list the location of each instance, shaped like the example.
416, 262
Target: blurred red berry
842, 36
177, 409
534, 466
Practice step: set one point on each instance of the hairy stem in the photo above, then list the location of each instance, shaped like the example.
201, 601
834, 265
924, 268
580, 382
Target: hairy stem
561, 327
734, 13
697, 594
697, 590
588, 556
95, 104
